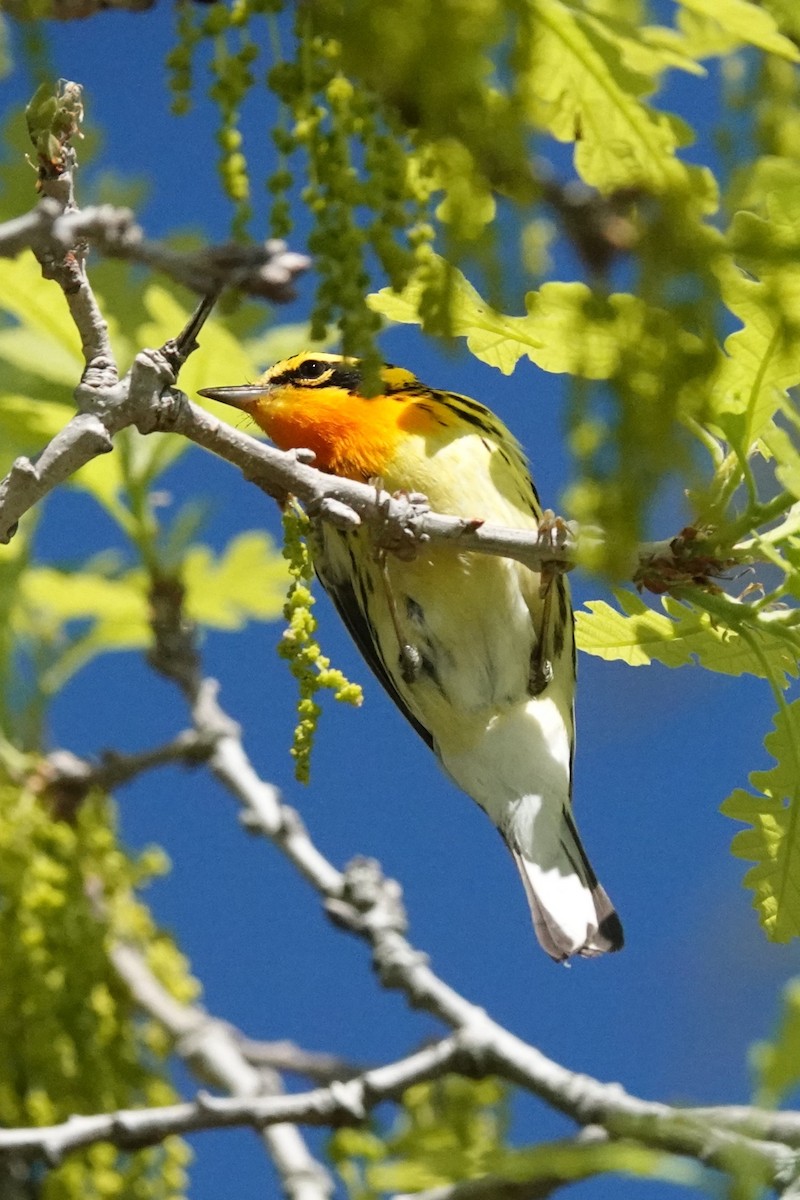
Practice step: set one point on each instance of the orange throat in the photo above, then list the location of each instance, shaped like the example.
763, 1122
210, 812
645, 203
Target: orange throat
350, 435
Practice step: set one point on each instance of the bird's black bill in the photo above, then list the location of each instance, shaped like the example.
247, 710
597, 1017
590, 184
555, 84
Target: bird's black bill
242, 396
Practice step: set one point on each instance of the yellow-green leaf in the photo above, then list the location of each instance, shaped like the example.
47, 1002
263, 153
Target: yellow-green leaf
772, 810
38, 305
750, 24
248, 581
567, 329
776, 1063
682, 634
580, 87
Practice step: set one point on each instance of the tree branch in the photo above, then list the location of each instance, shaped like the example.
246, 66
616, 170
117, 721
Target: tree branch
147, 399
69, 779
362, 901
287, 1057
212, 1051
139, 400
65, 262
365, 903
267, 270
339, 1104
654, 1125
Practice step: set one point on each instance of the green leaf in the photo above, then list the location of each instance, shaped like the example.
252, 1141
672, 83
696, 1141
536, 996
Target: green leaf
567, 328
562, 1162
763, 358
749, 24
454, 1130
683, 634
787, 460
580, 87
776, 1063
786, 15
38, 306
58, 597
77, 615
773, 841
26, 425
247, 582
81, 614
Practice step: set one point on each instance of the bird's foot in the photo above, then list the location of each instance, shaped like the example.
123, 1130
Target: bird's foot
395, 525
555, 534
333, 511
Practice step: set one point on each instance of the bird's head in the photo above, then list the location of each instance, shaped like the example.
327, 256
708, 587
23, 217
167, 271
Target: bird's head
313, 400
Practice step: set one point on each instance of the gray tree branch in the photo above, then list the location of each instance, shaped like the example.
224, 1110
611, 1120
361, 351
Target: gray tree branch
212, 1051
654, 1125
267, 270
288, 1058
362, 901
343, 1103
65, 263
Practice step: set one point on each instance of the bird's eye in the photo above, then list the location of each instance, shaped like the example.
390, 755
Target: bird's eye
313, 368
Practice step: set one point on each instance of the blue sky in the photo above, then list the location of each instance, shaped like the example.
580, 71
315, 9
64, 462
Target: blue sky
672, 1016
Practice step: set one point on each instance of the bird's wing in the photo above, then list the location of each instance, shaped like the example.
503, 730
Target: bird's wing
350, 607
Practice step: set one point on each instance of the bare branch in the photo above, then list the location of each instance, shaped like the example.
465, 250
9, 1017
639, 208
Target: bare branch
654, 1125
82, 439
66, 264
364, 902
266, 270
340, 1104
285, 1056
213, 1052
274, 471
146, 399
755, 1122
61, 768
20, 233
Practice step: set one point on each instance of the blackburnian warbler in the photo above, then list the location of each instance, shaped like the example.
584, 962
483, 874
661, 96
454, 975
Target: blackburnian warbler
476, 651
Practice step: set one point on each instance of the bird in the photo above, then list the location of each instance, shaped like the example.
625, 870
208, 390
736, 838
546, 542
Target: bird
476, 651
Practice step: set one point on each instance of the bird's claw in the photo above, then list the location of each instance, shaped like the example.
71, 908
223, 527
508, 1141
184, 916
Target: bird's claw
554, 534
335, 512
396, 523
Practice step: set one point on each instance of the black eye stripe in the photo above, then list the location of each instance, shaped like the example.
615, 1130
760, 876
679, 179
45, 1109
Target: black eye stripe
314, 372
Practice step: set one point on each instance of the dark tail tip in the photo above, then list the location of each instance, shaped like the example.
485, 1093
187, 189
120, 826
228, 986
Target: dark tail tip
609, 937
611, 929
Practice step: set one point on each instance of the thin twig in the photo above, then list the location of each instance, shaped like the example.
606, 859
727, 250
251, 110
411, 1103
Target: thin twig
289, 1058
66, 265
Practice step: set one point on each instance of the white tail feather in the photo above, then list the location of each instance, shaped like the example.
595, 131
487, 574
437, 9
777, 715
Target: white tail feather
519, 772
571, 912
